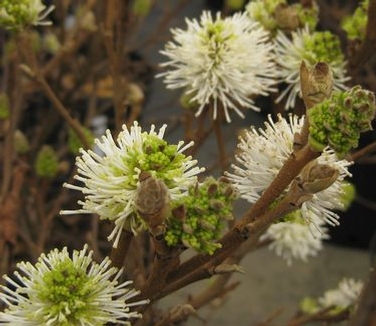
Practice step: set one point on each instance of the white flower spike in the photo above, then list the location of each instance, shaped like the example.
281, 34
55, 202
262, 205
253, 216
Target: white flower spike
221, 62
346, 295
67, 291
263, 153
110, 181
294, 239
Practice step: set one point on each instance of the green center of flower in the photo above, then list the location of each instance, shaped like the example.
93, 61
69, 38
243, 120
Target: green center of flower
66, 289
215, 36
159, 158
322, 47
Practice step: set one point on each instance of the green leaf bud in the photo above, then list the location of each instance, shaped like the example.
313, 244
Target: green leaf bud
21, 143
4, 106
46, 164
142, 7
74, 142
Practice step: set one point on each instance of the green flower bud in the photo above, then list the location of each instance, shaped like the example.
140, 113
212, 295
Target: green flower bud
198, 218
355, 25
142, 7
74, 142
21, 143
338, 121
46, 164
4, 106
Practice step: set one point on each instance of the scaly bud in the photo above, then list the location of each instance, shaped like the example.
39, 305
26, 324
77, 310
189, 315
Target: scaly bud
152, 201
316, 83
316, 177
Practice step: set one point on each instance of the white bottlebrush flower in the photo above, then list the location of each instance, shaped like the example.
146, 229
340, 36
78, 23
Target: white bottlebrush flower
110, 180
63, 291
294, 239
262, 154
16, 14
221, 62
311, 47
345, 296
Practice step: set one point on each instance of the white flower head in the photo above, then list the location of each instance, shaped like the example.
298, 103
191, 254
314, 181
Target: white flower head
60, 290
311, 47
110, 181
220, 61
345, 296
16, 14
263, 152
294, 239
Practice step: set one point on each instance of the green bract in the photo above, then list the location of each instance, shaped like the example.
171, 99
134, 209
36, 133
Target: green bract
338, 121
198, 218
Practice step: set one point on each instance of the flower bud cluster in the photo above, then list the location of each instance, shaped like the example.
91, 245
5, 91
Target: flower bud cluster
338, 121
198, 218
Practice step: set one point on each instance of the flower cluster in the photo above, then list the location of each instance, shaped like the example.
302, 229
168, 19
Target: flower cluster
17, 14
62, 290
355, 25
338, 121
311, 47
110, 181
277, 14
261, 155
198, 218
220, 62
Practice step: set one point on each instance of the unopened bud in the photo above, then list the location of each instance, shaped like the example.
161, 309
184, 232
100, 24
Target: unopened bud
316, 177
316, 83
152, 200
